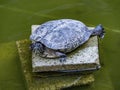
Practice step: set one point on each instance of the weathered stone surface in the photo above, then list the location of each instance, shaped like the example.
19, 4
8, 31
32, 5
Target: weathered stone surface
83, 58
47, 80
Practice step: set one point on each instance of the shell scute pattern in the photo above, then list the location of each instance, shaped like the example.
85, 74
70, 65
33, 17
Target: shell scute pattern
64, 34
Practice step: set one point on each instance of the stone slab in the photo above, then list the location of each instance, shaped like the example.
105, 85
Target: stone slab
47, 80
83, 58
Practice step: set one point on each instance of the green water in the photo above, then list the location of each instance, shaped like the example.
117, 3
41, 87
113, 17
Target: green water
17, 16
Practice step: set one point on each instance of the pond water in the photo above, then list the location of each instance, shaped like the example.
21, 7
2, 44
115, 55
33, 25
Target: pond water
17, 16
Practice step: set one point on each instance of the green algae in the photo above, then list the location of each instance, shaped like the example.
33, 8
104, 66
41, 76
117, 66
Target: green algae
48, 80
10, 73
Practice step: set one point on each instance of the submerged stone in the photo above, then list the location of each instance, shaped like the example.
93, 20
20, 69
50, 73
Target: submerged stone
47, 80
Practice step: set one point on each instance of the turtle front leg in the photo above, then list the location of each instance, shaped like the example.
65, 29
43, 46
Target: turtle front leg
62, 56
37, 48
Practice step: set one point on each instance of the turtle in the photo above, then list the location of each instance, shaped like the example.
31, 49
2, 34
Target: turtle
56, 38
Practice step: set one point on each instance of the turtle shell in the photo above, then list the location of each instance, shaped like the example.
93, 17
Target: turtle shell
64, 35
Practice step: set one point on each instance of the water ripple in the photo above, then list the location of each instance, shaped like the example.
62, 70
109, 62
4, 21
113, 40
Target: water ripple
25, 11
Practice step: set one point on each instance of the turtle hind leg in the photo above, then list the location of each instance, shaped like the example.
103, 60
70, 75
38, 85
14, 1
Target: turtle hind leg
62, 56
99, 30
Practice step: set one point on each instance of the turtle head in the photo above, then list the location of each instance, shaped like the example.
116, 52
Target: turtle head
37, 48
99, 30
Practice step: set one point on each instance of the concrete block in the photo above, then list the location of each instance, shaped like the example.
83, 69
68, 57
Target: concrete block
84, 58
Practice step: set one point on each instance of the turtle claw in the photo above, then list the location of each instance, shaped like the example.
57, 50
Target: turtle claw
62, 59
62, 56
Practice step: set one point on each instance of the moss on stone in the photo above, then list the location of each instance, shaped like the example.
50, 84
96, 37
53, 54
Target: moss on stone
47, 80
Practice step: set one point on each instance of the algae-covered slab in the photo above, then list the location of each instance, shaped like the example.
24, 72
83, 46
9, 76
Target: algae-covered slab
83, 58
47, 80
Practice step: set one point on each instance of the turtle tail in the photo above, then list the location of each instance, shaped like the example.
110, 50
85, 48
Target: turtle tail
99, 30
